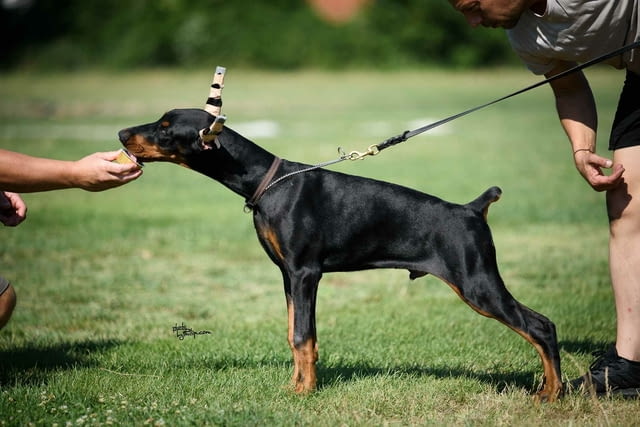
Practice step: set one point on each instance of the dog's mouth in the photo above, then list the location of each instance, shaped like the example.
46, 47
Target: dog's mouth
139, 149
125, 156
136, 151
145, 152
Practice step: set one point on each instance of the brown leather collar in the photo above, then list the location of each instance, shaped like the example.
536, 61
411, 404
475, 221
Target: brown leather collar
251, 203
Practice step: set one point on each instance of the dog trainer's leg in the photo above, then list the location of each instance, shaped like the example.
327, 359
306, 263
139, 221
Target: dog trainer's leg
301, 307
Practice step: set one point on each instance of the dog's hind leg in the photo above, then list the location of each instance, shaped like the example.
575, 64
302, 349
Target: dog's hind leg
487, 295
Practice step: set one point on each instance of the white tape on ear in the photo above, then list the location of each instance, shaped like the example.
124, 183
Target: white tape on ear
213, 105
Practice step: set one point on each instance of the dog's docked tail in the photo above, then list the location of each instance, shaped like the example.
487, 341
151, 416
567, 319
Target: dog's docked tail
481, 204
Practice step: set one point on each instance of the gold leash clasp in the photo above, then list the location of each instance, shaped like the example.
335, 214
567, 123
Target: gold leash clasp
357, 155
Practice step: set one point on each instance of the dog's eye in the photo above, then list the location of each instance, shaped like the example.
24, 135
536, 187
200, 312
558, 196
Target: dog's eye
164, 127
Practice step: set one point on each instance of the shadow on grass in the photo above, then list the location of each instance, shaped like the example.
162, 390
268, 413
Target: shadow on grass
500, 380
583, 346
31, 365
329, 376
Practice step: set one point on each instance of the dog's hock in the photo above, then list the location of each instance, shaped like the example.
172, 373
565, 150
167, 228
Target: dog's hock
213, 106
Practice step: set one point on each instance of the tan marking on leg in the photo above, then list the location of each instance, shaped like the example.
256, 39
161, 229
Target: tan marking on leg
307, 354
552, 384
305, 357
552, 388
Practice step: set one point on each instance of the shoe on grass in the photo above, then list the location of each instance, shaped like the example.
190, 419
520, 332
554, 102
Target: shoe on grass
610, 374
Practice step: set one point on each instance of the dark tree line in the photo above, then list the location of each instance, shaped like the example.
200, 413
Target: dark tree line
276, 34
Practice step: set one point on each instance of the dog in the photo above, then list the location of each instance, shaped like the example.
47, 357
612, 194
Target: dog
324, 221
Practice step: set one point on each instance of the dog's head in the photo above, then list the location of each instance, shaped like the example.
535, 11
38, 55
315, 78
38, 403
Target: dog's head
181, 134
173, 138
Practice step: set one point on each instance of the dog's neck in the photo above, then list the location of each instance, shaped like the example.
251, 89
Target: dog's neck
239, 164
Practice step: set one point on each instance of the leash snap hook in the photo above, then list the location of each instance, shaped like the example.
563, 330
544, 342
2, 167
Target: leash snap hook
357, 155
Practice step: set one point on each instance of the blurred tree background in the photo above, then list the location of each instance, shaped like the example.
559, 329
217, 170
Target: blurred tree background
278, 34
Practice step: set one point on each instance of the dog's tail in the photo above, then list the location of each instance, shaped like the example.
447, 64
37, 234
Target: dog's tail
481, 204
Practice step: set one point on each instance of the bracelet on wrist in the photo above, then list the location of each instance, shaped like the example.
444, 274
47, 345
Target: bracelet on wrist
582, 149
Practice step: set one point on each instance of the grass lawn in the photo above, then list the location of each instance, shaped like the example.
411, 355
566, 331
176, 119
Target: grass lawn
103, 277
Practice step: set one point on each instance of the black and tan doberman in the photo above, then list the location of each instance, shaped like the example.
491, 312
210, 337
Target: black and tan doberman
325, 221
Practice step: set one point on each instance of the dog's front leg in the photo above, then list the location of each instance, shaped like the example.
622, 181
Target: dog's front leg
301, 308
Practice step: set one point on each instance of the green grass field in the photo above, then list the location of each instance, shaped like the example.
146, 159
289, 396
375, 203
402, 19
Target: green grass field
102, 277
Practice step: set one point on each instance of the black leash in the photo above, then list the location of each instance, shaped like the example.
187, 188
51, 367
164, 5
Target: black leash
376, 148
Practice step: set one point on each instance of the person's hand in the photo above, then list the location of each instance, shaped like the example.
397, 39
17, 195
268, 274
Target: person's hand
590, 166
13, 210
98, 172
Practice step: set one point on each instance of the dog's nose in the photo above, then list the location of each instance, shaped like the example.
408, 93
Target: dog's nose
124, 135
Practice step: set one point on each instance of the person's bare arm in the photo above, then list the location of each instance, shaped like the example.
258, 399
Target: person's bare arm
578, 116
22, 173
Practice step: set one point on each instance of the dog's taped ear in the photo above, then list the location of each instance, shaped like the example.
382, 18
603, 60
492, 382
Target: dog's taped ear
213, 106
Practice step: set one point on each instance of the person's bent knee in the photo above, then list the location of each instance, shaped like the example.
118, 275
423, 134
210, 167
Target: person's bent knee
7, 303
623, 201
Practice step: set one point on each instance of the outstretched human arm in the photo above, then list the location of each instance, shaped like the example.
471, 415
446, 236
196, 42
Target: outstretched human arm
578, 116
96, 172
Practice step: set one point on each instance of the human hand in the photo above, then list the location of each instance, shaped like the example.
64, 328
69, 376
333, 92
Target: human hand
13, 210
590, 166
98, 172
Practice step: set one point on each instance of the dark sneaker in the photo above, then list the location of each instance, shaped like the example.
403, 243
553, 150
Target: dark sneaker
610, 374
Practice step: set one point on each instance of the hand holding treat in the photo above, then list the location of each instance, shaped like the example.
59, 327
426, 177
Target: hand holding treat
21, 173
124, 157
